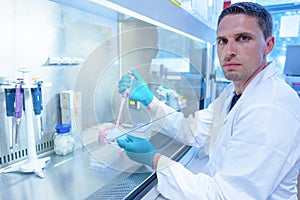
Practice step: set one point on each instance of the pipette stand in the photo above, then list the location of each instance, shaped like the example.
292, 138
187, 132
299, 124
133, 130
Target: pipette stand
33, 164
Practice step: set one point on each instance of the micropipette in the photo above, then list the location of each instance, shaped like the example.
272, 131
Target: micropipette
19, 108
38, 106
125, 95
10, 95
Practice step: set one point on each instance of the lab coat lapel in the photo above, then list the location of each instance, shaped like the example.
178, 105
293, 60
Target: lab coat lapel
266, 73
221, 109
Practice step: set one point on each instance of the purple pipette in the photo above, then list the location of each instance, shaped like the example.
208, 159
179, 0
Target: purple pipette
18, 107
10, 94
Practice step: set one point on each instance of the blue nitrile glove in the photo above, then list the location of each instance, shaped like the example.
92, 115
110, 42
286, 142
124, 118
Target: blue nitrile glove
139, 89
138, 149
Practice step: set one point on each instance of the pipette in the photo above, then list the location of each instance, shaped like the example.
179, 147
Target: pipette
10, 95
125, 95
38, 106
19, 108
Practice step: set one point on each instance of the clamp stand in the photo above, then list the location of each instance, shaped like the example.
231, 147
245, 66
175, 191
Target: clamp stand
33, 164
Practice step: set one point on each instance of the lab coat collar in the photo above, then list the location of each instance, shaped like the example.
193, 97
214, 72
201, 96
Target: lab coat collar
267, 72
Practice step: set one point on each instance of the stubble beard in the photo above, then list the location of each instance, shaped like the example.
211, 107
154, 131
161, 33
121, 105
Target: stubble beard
233, 76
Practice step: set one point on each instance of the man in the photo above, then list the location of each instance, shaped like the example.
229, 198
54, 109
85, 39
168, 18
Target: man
253, 127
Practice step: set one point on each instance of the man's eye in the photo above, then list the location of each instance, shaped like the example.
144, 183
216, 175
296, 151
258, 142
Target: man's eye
222, 41
244, 38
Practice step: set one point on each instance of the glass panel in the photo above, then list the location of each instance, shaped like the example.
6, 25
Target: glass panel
167, 59
174, 68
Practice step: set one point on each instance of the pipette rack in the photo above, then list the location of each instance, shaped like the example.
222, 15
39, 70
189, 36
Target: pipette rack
33, 163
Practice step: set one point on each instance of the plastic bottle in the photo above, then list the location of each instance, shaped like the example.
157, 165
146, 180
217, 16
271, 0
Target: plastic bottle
63, 140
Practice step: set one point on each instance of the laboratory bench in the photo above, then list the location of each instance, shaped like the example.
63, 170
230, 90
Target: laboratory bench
79, 176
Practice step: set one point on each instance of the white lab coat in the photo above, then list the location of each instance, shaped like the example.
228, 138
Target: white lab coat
254, 149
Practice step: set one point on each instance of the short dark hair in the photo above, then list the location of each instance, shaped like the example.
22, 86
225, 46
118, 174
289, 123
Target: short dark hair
263, 17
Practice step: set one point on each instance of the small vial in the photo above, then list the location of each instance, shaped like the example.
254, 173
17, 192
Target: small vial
63, 140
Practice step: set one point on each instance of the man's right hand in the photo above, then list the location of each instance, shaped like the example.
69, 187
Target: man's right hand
139, 88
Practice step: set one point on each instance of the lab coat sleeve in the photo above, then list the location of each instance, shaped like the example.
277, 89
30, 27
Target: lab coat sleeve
191, 130
176, 182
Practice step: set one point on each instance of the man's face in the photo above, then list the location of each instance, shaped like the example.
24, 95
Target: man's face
241, 47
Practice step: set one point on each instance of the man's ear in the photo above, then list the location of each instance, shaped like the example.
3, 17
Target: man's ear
269, 45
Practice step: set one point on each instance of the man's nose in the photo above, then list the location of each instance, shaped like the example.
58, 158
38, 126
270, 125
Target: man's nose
230, 50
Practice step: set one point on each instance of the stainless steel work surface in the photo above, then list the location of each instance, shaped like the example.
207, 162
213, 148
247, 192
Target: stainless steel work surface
65, 178
72, 177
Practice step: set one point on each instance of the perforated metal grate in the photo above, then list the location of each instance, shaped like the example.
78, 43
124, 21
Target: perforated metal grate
121, 187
